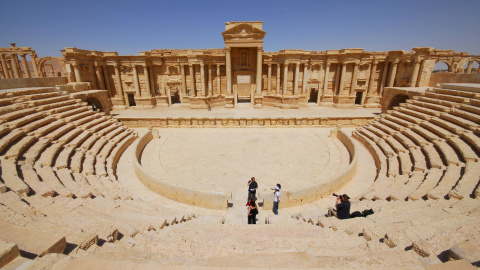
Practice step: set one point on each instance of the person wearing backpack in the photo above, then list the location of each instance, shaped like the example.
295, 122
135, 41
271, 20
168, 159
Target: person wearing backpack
252, 212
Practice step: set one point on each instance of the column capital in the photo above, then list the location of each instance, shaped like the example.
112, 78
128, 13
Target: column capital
202, 64
269, 64
190, 64
228, 49
259, 49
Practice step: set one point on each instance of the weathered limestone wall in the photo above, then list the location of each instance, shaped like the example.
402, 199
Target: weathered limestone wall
32, 82
438, 78
308, 195
212, 200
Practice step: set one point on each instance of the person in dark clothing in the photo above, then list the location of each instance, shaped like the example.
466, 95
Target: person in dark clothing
252, 212
342, 208
252, 189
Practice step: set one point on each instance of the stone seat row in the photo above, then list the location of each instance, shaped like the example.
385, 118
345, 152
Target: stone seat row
85, 221
40, 131
435, 142
427, 227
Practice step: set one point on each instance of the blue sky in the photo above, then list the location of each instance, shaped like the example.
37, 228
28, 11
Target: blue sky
129, 27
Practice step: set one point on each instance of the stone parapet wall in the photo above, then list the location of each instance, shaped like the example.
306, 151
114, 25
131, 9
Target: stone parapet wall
255, 122
393, 95
32, 82
212, 200
311, 194
438, 78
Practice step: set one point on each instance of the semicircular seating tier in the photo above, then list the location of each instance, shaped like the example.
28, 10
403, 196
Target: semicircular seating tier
58, 162
427, 147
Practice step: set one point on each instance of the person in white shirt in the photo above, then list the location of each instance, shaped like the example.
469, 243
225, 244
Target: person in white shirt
276, 198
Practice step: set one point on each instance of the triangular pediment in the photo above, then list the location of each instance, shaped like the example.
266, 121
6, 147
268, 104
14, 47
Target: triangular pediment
243, 29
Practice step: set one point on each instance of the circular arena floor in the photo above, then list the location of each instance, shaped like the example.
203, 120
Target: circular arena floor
225, 159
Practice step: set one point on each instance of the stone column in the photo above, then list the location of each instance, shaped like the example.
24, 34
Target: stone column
14, 65
229, 70
269, 80
119, 81
353, 85
151, 79
337, 78
384, 76
94, 76
259, 71
106, 79
342, 80
147, 80
295, 82
135, 80
413, 79
469, 67
25, 65
192, 80
210, 83
305, 78
278, 78
33, 57
325, 82
391, 78
10, 70
4, 66
372, 76
202, 75
98, 71
219, 88
184, 80
76, 71
285, 76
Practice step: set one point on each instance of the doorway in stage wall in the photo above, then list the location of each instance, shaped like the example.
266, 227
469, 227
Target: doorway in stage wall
313, 95
358, 98
131, 100
244, 88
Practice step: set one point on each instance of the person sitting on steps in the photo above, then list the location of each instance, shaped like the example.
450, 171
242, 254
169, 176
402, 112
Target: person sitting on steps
342, 207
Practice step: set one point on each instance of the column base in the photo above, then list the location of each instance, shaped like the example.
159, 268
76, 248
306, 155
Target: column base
145, 102
229, 101
162, 101
258, 102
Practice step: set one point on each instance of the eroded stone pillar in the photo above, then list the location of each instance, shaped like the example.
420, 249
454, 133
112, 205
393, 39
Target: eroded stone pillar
413, 79
353, 85
278, 78
305, 78
393, 73
295, 82
76, 71
229, 70
269, 78
4, 66
106, 79
184, 80
285, 76
259, 71
147, 80
384, 76
192, 79
219, 88
135, 80
202, 75
210, 84
337, 79
325, 82
98, 71
151, 78
372, 77
33, 57
25, 65
342, 80
14, 65
469, 67
118, 78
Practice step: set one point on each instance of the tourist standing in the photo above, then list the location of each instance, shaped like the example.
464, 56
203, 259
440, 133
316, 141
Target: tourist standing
276, 198
252, 189
252, 212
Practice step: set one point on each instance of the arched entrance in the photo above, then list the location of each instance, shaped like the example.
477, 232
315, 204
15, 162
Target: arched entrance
51, 67
441, 67
95, 104
397, 100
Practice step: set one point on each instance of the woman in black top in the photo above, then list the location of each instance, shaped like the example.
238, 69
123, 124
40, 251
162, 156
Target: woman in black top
252, 212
